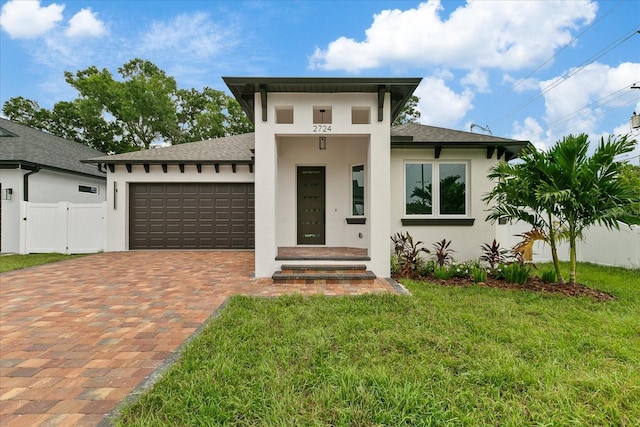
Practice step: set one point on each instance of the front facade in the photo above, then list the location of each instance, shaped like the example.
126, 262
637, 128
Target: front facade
39, 167
323, 169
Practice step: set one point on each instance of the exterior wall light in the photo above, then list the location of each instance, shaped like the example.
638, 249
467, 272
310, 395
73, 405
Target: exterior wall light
322, 143
8, 194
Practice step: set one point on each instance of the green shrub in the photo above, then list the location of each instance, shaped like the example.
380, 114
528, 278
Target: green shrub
479, 274
395, 265
549, 276
461, 270
427, 268
516, 273
442, 272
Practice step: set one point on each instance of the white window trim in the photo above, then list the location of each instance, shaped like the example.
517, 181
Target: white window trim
435, 195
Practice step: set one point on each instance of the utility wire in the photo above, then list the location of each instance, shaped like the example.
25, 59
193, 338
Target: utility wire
573, 72
597, 103
575, 38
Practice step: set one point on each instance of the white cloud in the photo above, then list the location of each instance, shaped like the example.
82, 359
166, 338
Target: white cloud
27, 19
478, 79
441, 106
85, 24
530, 130
190, 35
506, 35
580, 103
521, 85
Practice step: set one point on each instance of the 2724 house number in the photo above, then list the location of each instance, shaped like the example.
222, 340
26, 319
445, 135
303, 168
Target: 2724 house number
322, 128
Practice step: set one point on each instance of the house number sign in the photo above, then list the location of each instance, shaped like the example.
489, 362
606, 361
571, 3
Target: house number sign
321, 128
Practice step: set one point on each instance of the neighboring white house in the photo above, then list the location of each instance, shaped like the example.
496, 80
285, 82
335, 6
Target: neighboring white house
38, 167
324, 169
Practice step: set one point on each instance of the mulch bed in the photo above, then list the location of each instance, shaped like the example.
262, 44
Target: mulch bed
534, 284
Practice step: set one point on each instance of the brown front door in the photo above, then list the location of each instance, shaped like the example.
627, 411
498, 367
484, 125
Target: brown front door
311, 205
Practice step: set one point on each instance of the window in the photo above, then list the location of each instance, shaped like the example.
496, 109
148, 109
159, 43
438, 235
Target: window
418, 184
450, 192
87, 189
357, 190
452, 188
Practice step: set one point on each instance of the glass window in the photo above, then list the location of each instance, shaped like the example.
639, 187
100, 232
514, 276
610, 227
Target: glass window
357, 190
452, 188
418, 189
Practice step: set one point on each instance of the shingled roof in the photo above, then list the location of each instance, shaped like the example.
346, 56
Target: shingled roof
239, 148
22, 146
415, 135
235, 148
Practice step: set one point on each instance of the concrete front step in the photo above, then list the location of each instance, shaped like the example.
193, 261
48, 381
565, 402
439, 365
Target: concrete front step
323, 269
324, 274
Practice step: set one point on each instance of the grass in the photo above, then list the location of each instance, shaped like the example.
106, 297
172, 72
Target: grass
444, 356
16, 262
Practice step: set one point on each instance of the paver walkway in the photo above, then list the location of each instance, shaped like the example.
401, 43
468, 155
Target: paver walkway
78, 336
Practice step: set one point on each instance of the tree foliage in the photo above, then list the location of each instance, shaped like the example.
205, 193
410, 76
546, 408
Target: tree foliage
409, 113
139, 107
565, 191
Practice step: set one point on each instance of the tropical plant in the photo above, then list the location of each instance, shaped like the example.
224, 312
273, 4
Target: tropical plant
516, 196
479, 274
442, 252
516, 273
493, 254
548, 276
408, 253
442, 272
588, 190
564, 191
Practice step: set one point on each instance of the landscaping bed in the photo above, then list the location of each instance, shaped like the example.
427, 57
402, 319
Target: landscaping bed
534, 284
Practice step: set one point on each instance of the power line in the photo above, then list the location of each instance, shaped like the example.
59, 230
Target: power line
597, 103
573, 72
570, 42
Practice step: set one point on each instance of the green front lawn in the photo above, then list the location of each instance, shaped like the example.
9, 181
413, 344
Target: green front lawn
16, 262
444, 356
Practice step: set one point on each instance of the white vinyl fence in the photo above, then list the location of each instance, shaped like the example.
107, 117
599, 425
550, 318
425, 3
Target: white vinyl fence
600, 246
68, 228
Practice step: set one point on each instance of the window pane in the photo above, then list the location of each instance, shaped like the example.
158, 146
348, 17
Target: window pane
357, 190
452, 189
418, 189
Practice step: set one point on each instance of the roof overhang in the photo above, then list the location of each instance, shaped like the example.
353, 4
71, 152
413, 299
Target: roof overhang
508, 149
30, 166
245, 88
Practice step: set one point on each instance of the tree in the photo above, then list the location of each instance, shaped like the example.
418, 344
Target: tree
26, 112
140, 107
142, 104
516, 197
409, 113
564, 191
631, 176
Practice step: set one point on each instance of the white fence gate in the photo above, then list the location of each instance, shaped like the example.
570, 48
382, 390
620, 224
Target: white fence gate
68, 228
600, 246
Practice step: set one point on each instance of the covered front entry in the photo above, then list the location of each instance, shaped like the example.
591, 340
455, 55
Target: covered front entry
191, 216
311, 205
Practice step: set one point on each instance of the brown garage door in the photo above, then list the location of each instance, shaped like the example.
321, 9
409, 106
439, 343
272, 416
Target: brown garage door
191, 216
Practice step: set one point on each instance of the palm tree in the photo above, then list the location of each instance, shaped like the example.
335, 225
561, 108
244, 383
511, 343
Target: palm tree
516, 197
589, 190
564, 191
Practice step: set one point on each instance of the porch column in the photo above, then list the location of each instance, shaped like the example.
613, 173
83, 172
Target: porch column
380, 184
265, 195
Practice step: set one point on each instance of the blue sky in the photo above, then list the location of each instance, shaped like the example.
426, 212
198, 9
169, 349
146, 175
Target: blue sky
534, 70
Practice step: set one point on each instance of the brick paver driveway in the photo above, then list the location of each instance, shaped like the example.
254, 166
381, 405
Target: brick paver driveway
78, 336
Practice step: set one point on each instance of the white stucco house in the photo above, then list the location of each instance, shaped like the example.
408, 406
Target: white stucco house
39, 167
323, 179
